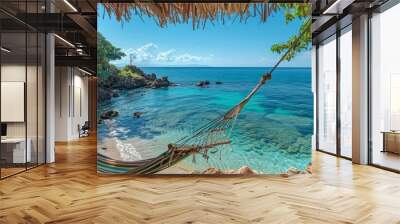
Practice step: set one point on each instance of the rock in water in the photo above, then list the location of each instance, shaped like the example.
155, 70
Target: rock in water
200, 84
115, 93
158, 83
203, 83
104, 93
137, 114
109, 114
218, 82
151, 77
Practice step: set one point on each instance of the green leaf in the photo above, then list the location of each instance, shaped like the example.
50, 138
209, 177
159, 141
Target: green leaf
294, 11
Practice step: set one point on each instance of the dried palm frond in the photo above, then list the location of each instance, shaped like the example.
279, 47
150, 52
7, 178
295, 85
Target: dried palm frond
197, 13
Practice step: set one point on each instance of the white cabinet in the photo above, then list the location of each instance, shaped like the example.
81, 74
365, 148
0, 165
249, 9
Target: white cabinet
19, 155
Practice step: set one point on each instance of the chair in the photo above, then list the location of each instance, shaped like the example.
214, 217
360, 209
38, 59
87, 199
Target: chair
84, 130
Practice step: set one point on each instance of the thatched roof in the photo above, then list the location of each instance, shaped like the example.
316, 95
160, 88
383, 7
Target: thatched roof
196, 13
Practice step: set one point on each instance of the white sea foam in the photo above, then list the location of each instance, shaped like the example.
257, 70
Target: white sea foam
127, 151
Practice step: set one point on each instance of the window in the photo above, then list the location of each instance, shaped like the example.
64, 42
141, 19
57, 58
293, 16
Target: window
327, 95
346, 92
22, 88
385, 89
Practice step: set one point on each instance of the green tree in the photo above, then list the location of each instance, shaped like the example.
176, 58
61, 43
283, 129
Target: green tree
106, 52
131, 71
301, 40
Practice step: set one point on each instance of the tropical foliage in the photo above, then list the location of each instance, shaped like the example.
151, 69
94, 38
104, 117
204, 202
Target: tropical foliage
106, 52
302, 40
131, 71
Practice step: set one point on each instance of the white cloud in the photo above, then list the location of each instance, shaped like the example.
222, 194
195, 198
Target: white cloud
166, 56
187, 58
141, 54
149, 54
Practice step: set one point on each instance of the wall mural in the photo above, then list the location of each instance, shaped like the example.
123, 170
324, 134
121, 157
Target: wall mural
226, 90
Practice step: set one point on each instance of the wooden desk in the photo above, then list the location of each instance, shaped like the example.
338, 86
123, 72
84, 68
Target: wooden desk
19, 155
391, 141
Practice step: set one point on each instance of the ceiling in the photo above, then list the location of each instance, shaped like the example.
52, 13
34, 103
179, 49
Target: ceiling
75, 23
332, 15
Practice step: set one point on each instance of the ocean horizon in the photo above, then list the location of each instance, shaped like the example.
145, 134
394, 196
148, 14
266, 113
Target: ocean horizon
271, 135
210, 66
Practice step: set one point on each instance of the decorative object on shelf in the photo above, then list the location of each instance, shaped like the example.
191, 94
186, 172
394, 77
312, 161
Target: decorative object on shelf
391, 141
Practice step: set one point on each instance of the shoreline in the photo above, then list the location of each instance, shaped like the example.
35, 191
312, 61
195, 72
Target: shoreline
135, 149
114, 151
183, 169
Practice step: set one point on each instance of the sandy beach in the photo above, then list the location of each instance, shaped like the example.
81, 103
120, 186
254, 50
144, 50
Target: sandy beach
135, 149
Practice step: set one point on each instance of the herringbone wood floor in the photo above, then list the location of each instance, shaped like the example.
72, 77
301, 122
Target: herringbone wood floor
70, 191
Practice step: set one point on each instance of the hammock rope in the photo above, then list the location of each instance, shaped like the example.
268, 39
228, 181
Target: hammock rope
212, 135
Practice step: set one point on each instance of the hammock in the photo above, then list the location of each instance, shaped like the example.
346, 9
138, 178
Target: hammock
210, 136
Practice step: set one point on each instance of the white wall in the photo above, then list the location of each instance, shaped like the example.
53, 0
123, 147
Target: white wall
17, 73
71, 102
33, 126
13, 101
62, 81
12, 73
81, 113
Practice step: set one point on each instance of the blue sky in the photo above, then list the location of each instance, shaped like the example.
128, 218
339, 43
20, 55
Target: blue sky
233, 44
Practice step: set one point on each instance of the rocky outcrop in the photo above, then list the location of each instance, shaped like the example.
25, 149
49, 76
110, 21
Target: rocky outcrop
159, 83
104, 94
151, 77
108, 88
124, 82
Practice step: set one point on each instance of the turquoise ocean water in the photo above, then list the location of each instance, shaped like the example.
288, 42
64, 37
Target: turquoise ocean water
272, 134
